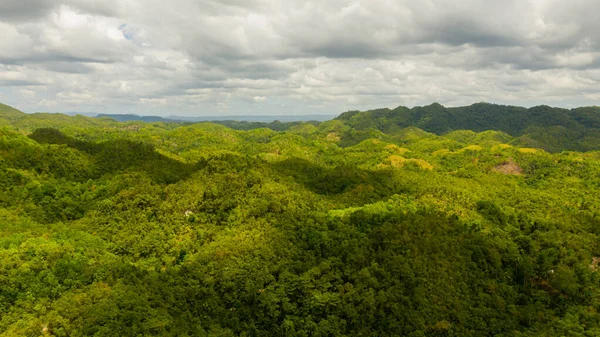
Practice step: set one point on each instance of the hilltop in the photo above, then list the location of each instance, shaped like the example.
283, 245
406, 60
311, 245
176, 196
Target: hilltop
553, 129
8, 111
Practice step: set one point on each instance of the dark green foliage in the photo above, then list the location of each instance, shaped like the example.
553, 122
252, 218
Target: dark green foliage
363, 186
490, 211
553, 129
276, 125
117, 155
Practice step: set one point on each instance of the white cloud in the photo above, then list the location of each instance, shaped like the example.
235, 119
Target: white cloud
47, 103
206, 57
154, 101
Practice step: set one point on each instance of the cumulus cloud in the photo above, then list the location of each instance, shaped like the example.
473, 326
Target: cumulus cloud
253, 57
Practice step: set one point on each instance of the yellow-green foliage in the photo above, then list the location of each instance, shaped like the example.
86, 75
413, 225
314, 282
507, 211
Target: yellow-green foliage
503, 146
441, 152
474, 148
411, 134
331, 126
270, 156
396, 149
396, 161
343, 212
399, 161
490, 137
332, 137
171, 155
464, 136
421, 163
528, 150
9, 113
304, 128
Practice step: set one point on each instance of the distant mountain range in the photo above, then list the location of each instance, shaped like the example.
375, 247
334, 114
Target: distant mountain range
179, 119
87, 114
131, 117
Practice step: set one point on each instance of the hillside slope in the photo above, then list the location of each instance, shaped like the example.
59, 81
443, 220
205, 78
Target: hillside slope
554, 129
6, 110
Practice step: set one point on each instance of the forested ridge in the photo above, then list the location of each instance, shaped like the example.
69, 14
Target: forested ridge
553, 129
431, 221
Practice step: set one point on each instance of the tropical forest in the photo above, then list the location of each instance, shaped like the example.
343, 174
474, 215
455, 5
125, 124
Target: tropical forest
482, 220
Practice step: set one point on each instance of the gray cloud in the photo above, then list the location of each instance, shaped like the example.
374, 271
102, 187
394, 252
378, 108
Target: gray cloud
17, 83
31, 10
258, 56
16, 10
67, 67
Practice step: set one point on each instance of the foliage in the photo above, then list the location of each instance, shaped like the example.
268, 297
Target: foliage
552, 129
361, 226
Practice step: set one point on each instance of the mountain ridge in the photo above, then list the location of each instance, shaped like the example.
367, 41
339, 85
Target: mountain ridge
555, 129
550, 128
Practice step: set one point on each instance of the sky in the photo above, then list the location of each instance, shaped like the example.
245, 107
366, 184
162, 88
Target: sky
267, 57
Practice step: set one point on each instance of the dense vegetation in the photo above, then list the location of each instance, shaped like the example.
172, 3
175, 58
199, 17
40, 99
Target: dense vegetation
361, 226
552, 129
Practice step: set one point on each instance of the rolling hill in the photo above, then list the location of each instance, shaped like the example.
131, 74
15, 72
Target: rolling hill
365, 225
554, 129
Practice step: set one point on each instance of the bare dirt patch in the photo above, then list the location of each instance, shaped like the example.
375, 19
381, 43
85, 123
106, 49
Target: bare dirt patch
509, 167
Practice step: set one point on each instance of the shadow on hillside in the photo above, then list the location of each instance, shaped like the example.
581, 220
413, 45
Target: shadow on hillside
117, 155
344, 181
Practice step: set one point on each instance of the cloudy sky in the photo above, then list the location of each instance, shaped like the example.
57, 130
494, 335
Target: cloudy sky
228, 57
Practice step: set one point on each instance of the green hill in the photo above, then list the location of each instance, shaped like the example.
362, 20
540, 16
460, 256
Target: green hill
553, 129
8, 111
8, 114
365, 225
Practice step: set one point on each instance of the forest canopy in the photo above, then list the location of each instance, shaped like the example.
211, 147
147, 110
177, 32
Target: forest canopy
431, 221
